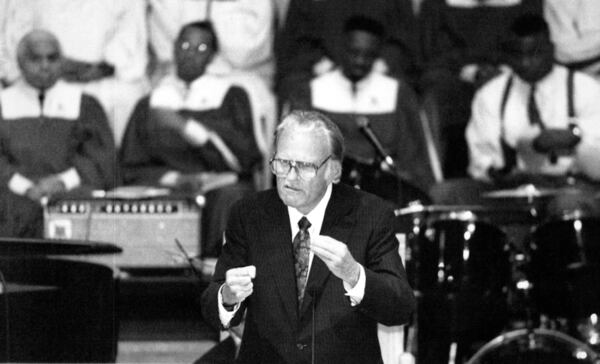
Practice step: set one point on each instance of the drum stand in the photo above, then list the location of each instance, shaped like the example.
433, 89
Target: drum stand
453, 328
525, 286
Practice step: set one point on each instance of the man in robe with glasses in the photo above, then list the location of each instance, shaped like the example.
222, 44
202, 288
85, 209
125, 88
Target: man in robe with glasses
313, 265
194, 134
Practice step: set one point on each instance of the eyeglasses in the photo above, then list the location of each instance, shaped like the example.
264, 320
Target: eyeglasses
304, 170
189, 47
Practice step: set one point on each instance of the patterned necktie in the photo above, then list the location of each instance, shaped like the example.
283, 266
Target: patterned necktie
301, 246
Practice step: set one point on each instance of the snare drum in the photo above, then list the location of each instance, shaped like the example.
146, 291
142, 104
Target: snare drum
565, 266
539, 346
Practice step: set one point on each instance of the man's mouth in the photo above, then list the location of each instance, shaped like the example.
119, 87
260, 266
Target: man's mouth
293, 189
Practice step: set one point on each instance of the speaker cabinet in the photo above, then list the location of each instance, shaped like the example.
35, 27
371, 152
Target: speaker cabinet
145, 229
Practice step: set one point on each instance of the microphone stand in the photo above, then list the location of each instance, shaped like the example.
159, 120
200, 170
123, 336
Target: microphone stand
313, 333
5, 303
365, 127
315, 293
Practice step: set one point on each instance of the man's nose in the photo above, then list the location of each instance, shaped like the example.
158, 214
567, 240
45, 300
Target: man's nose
292, 174
361, 60
44, 63
527, 62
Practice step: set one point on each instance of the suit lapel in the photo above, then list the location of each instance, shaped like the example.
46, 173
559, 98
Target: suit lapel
338, 223
278, 242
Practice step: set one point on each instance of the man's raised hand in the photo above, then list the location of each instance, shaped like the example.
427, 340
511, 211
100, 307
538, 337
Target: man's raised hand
337, 257
238, 284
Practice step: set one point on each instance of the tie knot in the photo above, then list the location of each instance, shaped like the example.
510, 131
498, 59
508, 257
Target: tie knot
304, 224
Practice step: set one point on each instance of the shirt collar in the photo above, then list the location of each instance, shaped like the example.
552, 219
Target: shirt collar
546, 80
315, 216
30, 90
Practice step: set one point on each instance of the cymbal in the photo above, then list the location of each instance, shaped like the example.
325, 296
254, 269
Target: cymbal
525, 191
18, 247
16, 288
414, 209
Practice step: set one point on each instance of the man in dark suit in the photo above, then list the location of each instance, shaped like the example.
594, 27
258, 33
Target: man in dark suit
313, 265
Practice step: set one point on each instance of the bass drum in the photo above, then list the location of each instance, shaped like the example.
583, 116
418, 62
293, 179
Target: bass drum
536, 347
457, 253
461, 272
565, 266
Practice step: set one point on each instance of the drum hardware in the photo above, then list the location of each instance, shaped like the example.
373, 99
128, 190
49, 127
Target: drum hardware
589, 330
409, 338
454, 337
525, 286
533, 347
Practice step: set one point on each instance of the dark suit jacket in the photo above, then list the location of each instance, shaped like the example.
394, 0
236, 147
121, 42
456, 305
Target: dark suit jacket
276, 330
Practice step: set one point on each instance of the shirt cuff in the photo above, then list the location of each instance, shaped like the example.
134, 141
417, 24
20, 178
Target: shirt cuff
169, 179
19, 184
70, 178
357, 292
195, 133
224, 315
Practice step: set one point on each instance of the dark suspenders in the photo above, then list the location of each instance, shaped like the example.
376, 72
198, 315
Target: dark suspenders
570, 102
510, 155
505, 95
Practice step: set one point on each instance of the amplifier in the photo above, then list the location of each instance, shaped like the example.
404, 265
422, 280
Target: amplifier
145, 228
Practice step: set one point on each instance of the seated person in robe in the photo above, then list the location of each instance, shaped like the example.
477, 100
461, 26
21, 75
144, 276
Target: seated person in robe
194, 133
358, 98
53, 138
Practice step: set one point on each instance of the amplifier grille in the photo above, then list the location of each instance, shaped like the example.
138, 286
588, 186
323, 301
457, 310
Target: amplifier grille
144, 229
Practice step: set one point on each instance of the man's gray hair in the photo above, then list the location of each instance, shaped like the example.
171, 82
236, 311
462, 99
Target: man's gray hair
314, 120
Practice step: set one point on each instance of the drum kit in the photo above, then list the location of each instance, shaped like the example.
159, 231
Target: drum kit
504, 283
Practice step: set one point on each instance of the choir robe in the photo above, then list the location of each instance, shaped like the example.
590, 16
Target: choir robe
66, 133
391, 108
151, 150
93, 31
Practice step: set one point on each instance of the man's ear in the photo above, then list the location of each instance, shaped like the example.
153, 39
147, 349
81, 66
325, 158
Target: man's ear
335, 171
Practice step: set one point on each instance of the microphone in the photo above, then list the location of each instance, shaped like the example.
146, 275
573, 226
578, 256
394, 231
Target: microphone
365, 128
363, 124
315, 293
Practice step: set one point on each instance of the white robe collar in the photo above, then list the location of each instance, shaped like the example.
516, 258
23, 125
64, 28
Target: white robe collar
375, 94
204, 93
22, 101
